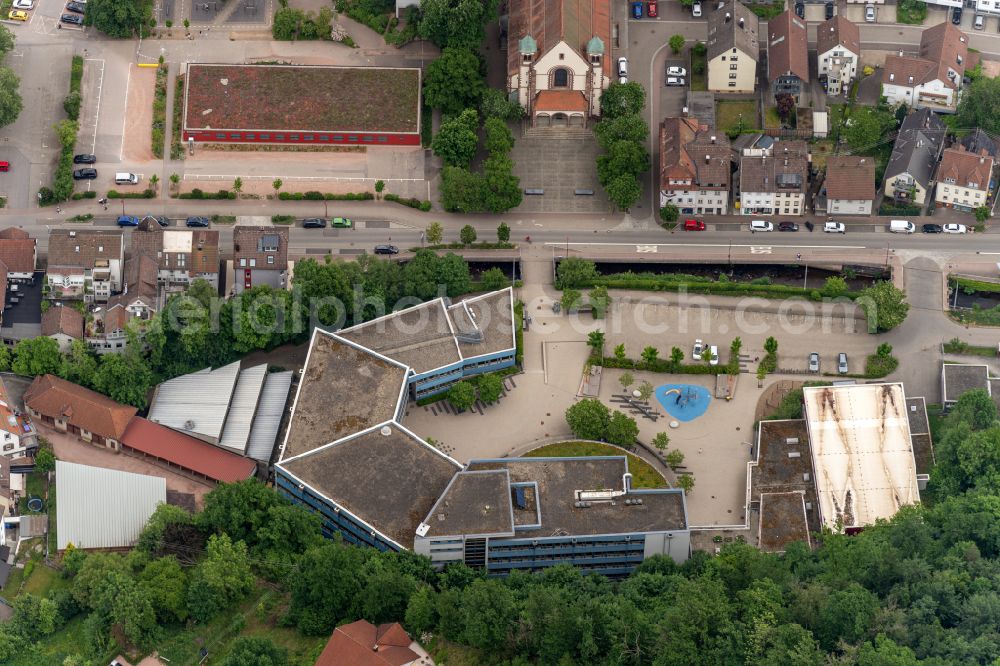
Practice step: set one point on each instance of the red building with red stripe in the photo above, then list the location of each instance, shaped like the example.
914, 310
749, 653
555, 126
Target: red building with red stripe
302, 104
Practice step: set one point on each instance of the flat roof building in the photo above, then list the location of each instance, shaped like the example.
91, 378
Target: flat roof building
958, 378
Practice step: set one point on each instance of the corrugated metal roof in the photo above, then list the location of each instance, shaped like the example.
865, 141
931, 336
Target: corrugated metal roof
103, 508
270, 409
197, 403
242, 408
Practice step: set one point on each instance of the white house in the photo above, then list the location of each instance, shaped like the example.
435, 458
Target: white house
85, 264
850, 185
932, 79
909, 174
559, 58
775, 181
733, 49
963, 179
694, 167
838, 51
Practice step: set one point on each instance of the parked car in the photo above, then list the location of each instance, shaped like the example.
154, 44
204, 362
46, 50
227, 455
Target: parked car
954, 228
17, 15
699, 349
4, 166
787, 226
161, 220
696, 10
956, 16
23, 4
676, 71
637, 10
800, 10
623, 70
870, 13
979, 22
84, 159
694, 225
76, 7
675, 81
386, 249
341, 222
932, 229
829, 11
197, 221
760, 225
842, 363
128, 221
85, 174
814, 362
651, 9
72, 19
713, 355
313, 223
834, 228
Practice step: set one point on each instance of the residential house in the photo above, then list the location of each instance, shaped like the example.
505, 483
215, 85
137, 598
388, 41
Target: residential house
849, 185
933, 78
18, 253
988, 7
68, 407
364, 644
694, 167
733, 49
260, 257
64, 324
787, 55
106, 330
963, 179
17, 433
908, 176
85, 264
11, 487
838, 52
182, 255
140, 294
559, 58
775, 181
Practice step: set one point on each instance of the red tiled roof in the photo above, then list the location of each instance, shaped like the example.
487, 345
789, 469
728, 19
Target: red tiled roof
187, 452
62, 319
787, 49
560, 100
18, 253
57, 398
363, 644
549, 22
13, 233
850, 177
960, 167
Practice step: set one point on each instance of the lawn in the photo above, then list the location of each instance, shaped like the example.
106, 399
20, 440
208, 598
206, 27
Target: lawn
729, 112
643, 474
913, 12
698, 64
306, 99
820, 151
771, 118
934, 419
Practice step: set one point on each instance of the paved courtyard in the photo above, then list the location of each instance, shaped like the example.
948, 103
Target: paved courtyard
558, 161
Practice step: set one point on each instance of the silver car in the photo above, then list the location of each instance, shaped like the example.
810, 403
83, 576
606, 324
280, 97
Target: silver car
814, 362
842, 363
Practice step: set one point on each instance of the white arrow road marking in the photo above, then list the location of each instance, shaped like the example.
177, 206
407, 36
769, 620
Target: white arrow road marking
760, 249
645, 248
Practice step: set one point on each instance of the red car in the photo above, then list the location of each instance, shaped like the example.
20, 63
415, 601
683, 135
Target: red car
694, 225
651, 9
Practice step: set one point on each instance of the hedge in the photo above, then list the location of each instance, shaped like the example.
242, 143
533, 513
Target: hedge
88, 194
412, 202
519, 332
698, 286
471, 246
665, 365
145, 194
320, 196
974, 285
199, 194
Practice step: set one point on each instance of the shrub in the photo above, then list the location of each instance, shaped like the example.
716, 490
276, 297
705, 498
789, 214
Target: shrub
72, 105
412, 202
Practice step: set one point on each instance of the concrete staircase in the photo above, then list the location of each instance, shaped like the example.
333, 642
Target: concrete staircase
556, 132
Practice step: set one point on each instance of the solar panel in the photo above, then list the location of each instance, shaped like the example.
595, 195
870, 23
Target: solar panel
519, 499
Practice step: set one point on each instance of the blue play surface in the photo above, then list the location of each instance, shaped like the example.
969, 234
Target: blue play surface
684, 402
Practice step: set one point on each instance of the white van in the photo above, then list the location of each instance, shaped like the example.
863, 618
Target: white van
902, 227
761, 225
125, 178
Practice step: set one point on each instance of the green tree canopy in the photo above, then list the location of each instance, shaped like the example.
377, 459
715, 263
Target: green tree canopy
623, 158
490, 388
255, 651
623, 191
120, 18
627, 127
456, 24
456, 140
979, 104
10, 96
454, 82
867, 127
884, 305
588, 419
622, 429
462, 395
574, 272
223, 577
125, 379
622, 99
36, 356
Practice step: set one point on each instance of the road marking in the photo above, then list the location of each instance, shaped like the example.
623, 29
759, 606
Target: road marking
719, 245
128, 82
760, 249
645, 248
100, 94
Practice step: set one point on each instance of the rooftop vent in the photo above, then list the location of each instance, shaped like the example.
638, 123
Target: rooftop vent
708, 159
805, 476
385, 431
729, 17
72, 234
791, 440
794, 454
713, 138
741, 22
809, 506
189, 425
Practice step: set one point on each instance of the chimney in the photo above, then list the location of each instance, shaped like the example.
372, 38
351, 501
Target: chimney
900, 53
713, 139
741, 23
708, 159
728, 17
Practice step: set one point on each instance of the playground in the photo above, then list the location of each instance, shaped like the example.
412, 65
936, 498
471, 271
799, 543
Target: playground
684, 402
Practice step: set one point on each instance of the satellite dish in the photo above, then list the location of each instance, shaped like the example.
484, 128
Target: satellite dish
189, 425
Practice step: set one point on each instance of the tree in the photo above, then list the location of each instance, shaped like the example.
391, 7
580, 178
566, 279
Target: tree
462, 191
620, 352
622, 158
435, 232
324, 585
623, 191
676, 356
686, 483
462, 395
5, 358
175, 178
645, 391
6, 41
501, 189
454, 81
165, 583
626, 379
595, 340
10, 98
649, 356
124, 378
276, 184
45, 460
588, 419
467, 235
255, 651
884, 306
503, 232
771, 345
785, 104
574, 273
458, 24
978, 105
120, 18
499, 139
379, 188
223, 577
490, 388
79, 365
669, 213
36, 356
982, 214
866, 127
846, 615
493, 279
237, 185
674, 459
71, 105
495, 104
676, 43
834, 286
661, 441
456, 140
570, 300
622, 99
598, 298
628, 127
